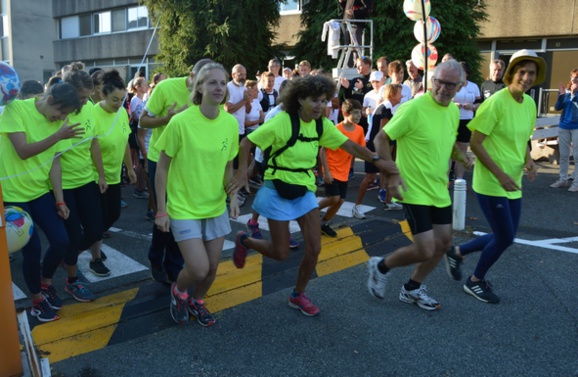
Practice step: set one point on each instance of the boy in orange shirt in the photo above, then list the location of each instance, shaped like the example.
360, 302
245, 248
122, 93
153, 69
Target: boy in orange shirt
336, 164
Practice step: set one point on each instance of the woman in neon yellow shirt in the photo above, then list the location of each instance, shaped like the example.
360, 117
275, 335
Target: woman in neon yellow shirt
305, 100
32, 131
81, 193
196, 163
111, 122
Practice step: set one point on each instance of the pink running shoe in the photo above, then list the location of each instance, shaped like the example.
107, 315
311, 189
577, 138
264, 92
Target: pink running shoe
241, 251
303, 303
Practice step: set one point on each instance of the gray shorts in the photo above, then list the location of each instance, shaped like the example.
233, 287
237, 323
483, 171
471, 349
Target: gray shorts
205, 229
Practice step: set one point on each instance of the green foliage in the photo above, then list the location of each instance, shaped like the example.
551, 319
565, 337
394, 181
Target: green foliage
227, 31
393, 31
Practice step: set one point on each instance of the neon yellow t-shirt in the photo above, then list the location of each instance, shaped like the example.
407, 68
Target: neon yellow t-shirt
113, 144
508, 125
77, 166
165, 94
425, 134
200, 149
303, 155
22, 116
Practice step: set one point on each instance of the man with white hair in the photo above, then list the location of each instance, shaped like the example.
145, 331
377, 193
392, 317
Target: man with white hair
494, 81
414, 81
425, 129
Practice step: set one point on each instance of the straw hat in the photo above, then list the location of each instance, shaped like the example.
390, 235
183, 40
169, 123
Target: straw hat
526, 55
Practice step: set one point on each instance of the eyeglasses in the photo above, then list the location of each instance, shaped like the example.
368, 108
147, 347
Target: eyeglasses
448, 85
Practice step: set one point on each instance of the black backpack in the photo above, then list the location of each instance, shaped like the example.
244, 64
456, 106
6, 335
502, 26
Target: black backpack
265, 105
270, 158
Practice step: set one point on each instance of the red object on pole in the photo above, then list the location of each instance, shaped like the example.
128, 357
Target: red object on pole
10, 359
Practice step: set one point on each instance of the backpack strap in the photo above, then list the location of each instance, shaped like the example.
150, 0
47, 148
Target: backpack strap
271, 158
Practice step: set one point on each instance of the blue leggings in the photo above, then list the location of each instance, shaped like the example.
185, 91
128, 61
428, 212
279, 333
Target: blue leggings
43, 213
84, 225
503, 215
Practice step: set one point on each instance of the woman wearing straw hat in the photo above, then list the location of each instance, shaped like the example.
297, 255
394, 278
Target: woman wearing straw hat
500, 134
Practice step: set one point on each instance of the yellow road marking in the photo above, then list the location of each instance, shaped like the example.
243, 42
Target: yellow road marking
340, 253
233, 286
83, 327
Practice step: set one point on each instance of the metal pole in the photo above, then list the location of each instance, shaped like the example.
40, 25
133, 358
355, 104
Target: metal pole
10, 359
425, 62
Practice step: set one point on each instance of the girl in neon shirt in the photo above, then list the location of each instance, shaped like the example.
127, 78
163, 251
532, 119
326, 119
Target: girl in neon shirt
32, 131
196, 163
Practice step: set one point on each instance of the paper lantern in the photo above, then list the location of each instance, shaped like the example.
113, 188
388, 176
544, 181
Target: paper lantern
433, 30
413, 10
417, 56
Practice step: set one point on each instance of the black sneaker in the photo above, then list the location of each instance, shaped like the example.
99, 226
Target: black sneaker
103, 256
98, 268
43, 311
198, 309
50, 295
453, 263
326, 229
482, 290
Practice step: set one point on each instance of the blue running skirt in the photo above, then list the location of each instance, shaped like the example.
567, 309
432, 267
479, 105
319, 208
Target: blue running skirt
270, 204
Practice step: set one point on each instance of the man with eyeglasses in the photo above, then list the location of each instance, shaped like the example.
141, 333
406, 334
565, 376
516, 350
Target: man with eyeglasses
425, 129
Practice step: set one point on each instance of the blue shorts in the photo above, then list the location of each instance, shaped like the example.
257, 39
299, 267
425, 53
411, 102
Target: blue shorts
270, 204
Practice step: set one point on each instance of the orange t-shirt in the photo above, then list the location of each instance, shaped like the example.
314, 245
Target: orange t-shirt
339, 161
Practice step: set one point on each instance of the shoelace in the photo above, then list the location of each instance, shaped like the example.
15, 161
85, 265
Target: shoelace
203, 312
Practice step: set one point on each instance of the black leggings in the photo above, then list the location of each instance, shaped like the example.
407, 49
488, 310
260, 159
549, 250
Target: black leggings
84, 225
110, 205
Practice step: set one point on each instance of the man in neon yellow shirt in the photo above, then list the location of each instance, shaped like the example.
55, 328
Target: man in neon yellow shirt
170, 97
425, 129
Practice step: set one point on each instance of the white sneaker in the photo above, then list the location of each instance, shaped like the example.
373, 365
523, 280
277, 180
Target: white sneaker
560, 183
418, 296
356, 212
574, 187
376, 281
393, 207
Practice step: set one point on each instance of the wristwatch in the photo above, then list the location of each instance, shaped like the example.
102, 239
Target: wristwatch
375, 158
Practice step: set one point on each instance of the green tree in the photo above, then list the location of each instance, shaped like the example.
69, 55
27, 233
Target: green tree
393, 31
227, 31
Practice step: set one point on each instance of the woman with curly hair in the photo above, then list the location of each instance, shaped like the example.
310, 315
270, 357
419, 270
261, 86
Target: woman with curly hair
289, 189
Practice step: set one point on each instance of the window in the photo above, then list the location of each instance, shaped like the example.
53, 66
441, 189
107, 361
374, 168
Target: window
85, 23
101, 23
292, 6
138, 17
119, 20
69, 27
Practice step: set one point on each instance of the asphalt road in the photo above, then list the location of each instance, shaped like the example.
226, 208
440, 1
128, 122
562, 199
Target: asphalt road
532, 332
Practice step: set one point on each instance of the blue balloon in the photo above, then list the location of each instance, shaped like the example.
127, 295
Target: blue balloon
9, 84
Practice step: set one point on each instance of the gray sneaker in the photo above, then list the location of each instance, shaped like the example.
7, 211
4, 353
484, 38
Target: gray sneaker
377, 281
560, 183
419, 297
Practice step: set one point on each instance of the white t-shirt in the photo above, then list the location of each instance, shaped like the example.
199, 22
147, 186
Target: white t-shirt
467, 94
405, 93
278, 81
236, 96
371, 99
254, 114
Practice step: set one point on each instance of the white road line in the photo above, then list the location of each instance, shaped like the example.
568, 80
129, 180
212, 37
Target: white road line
264, 224
545, 244
118, 263
18, 294
347, 207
